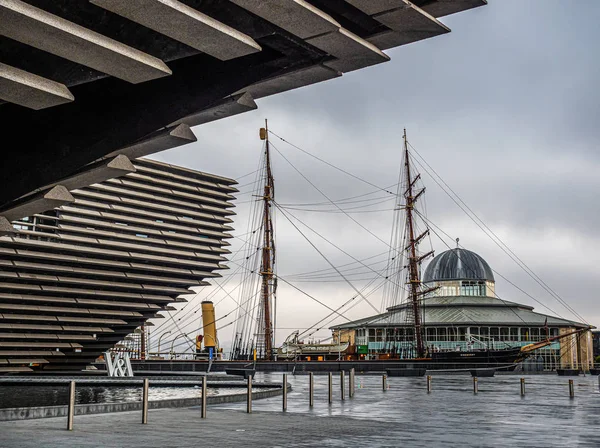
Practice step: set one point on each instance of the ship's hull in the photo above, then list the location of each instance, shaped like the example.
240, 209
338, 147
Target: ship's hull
479, 357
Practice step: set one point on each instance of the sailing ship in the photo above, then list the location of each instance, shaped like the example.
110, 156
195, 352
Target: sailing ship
259, 344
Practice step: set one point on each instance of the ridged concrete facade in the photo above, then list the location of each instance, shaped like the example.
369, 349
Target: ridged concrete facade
78, 278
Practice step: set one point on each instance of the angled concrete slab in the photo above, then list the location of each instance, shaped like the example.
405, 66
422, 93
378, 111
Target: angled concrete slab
38, 203
295, 16
100, 172
408, 24
184, 24
232, 105
40, 29
294, 80
170, 137
6, 227
375, 6
352, 52
29, 90
440, 8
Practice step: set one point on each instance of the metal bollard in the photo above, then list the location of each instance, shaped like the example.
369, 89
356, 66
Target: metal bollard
428, 384
351, 383
249, 399
475, 385
330, 387
384, 382
311, 389
204, 398
571, 389
342, 385
71, 406
285, 391
522, 387
145, 401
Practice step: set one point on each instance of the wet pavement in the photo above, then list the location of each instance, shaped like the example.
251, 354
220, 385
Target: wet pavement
403, 415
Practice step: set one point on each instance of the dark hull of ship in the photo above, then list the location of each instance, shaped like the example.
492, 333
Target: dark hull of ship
485, 359
479, 357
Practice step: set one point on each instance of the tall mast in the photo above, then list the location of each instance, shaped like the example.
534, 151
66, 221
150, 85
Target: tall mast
414, 280
268, 250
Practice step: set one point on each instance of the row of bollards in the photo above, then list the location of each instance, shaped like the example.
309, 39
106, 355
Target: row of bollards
351, 392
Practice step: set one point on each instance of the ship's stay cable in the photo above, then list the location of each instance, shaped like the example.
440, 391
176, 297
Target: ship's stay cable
198, 294
285, 214
489, 233
473, 271
212, 322
439, 229
343, 201
330, 164
331, 318
327, 197
367, 294
328, 270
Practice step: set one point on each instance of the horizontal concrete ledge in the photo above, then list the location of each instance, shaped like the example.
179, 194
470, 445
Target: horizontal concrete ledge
170, 137
98, 172
184, 24
352, 52
9, 414
38, 203
408, 24
227, 107
442, 8
40, 29
32, 91
292, 80
295, 16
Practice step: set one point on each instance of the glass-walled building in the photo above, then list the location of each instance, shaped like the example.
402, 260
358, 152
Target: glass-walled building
464, 313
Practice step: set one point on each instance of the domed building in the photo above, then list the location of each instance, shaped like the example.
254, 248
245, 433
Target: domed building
462, 311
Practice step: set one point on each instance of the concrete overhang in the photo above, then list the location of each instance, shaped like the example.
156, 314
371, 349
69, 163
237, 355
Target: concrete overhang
441, 8
29, 90
227, 107
293, 80
37, 203
48, 32
352, 52
295, 16
170, 137
99, 172
184, 24
408, 24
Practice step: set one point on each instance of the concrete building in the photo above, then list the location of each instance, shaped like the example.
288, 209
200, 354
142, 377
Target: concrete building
78, 278
464, 312
94, 77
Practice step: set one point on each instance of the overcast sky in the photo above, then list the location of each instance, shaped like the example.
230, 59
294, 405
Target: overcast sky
505, 108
